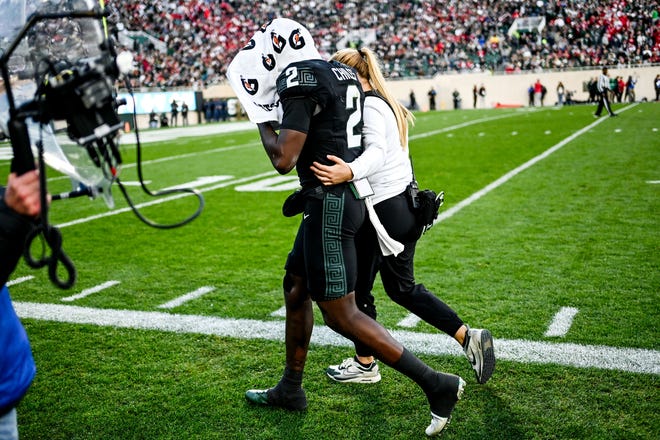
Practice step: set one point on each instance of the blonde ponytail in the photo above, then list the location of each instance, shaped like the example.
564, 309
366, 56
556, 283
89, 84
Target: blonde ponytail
366, 64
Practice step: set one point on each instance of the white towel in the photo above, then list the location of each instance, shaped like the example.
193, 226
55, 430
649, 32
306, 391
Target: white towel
254, 70
388, 245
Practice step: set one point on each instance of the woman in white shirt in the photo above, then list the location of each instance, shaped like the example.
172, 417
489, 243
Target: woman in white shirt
386, 165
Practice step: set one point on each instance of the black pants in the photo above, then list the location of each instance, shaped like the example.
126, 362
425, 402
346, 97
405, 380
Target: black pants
397, 273
603, 101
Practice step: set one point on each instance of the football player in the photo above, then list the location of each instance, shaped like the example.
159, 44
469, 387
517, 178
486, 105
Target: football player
321, 113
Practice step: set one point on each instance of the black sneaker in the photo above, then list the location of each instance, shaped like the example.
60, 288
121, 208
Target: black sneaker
292, 402
443, 401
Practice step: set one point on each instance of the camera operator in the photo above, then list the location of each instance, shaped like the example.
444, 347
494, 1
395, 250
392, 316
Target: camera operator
19, 205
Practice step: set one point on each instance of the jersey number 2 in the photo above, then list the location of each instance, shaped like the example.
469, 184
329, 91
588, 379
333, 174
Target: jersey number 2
353, 103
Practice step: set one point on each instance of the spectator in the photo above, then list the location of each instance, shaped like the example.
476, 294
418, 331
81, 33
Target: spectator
482, 96
457, 99
184, 114
443, 36
560, 94
413, 101
630, 89
432, 93
153, 119
175, 112
592, 87
163, 120
544, 91
209, 108
569, 97
620, 88
538, 92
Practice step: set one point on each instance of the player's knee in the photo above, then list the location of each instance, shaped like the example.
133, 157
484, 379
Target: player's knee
288, 282
295, 291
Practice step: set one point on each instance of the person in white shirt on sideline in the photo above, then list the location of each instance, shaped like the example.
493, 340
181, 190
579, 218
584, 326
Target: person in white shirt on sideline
387, 166
603, 86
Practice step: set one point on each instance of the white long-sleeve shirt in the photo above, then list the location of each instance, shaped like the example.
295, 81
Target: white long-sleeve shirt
385, 163
603, 83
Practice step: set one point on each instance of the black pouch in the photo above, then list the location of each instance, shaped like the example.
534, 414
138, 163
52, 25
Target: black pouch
424, 204
429, 206
295, 203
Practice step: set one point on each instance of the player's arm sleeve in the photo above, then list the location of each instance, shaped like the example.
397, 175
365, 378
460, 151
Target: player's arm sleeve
373, 140
297, 113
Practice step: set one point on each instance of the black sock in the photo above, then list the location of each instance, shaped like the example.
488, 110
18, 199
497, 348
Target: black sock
362, 363
288, 392
414, 368
291, 381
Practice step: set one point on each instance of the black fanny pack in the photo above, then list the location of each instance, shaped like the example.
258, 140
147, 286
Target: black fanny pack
295, 203
425, 204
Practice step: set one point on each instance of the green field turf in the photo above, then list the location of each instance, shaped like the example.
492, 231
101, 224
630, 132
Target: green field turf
546, 211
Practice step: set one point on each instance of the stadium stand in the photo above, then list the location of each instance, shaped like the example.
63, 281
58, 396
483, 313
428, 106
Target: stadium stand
414, 39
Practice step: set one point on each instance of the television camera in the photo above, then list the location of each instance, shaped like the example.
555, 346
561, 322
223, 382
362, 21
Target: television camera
59, 67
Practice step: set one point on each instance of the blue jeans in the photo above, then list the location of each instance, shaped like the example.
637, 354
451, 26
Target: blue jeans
8, 426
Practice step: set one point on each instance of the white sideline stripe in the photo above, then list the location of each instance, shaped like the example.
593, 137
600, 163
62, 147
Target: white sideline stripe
508, 176
177, 157
409, 321
161, 200
19, 280
187, 297
461, 125
279, 313
653, 181
562, 322
635, 360
91, 290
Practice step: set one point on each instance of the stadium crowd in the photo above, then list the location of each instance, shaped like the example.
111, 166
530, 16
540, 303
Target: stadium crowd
415, 38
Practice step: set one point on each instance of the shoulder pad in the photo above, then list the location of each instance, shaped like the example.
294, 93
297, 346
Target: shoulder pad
297, 78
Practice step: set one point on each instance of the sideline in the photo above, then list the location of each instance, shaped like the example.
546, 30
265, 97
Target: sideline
514, 172
632, 360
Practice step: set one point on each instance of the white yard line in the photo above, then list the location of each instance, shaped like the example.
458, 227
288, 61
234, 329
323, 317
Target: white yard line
279, 313
562, 322
19, 280
90, 291
409, 321
634, 360
461, 125
161, 200
511, 174
187, 297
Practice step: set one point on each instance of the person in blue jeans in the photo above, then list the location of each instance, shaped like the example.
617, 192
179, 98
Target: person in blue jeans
19, 204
